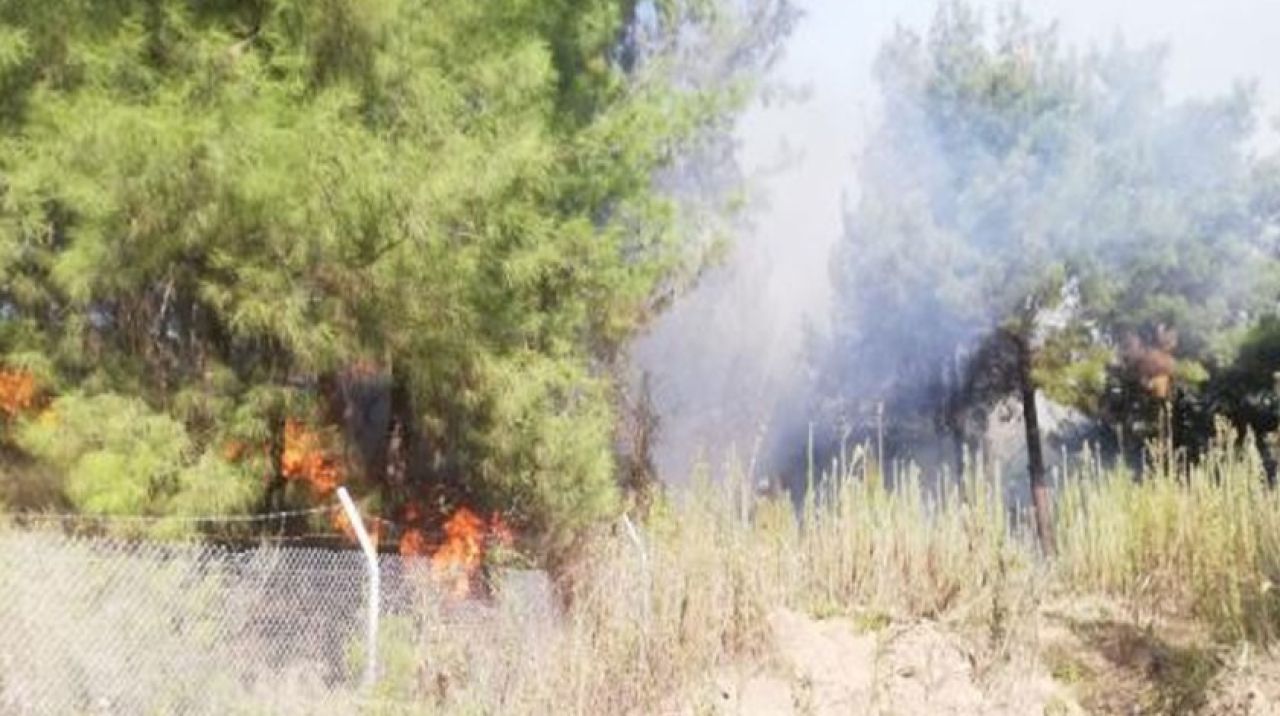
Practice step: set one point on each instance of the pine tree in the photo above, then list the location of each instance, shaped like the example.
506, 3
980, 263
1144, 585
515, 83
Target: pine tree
220, 218
1025, 212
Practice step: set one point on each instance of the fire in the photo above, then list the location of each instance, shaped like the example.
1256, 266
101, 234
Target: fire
18, 392
304, 458
454, 564
456, 561
414, 543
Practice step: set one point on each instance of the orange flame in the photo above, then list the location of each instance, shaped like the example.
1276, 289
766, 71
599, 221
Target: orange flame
413, 543
456, 561
304, 458
18, 392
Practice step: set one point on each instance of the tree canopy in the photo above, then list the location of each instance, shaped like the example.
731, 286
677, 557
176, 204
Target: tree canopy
1035, 220
217, 219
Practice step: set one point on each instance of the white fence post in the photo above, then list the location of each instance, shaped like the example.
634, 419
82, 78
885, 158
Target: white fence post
371, 557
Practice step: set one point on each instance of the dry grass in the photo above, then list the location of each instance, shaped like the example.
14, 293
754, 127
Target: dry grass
1199, 543
655, 611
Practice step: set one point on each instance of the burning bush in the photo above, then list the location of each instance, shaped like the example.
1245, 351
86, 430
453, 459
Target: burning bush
456, 560
306, 458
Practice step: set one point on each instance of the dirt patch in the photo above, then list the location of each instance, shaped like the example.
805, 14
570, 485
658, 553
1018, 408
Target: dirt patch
832, 667
1087, 657
925, 671
1249, 685
818, 667
1116, 664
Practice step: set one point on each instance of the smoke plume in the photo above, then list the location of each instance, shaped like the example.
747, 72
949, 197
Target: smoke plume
764, 347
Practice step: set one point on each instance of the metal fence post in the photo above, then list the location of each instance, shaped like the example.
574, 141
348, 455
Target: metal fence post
371, 557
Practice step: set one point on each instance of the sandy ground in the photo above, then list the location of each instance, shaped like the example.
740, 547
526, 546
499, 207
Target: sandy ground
831, 667
1088, 662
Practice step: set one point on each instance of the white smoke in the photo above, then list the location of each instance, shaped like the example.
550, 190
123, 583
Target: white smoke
728, 361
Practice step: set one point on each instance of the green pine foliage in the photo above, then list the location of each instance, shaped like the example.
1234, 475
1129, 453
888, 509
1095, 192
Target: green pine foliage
119, 457
1019, 192
206, 208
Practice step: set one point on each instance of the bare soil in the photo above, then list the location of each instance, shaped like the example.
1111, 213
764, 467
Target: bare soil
1088, 659
834, 667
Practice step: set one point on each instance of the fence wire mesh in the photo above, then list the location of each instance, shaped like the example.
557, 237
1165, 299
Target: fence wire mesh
92, 625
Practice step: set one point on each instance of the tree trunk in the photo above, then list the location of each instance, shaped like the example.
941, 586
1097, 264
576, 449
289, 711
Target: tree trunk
953, 405
988, 463
1035, 451
639, 427
273, 496
400, 430
958, 446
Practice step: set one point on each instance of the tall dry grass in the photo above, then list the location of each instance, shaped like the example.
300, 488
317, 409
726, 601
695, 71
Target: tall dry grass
656, 611
655, 608
1196, 539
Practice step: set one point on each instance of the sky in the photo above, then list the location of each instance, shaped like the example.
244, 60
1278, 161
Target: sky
737, 340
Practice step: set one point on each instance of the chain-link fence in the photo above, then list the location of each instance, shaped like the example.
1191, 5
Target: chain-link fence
94, 625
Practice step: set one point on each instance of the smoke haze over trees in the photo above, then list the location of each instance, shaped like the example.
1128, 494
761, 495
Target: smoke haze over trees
1024, 214
1015, 173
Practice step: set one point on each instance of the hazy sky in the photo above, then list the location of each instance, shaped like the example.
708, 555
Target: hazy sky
725, 356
